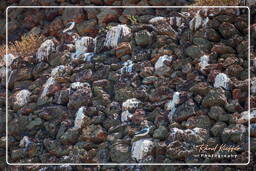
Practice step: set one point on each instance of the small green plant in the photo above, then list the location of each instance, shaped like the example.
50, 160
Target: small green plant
105, 29
102, 29
132, 19
108, 27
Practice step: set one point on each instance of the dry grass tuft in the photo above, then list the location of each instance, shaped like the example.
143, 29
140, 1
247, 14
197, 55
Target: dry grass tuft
217, 2
26, 46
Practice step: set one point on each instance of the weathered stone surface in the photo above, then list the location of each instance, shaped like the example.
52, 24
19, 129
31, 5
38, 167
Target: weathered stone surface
194, 51
126, 85
235, 133
120, 152
143, 38
217, 113
222, 49
80, 97
184, 111
123, 49
212, 35
70, 136
161, 66
215, 97
200, 88
141, 148
87, 27
160, 133
94, 133
218, 128
107, 15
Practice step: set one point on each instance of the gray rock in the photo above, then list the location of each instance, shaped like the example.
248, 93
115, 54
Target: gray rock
94, 133
212, 35
120, 152
222, 49
142, 148
55, 148
204, 44
81, 97
161, 66
70, 136
107, 15
227, 30
52, 112
17, 154
253, 144
203, 121
235, 133
103, 156
218, 128
143, 38
216, 113
200, 88
160, 133
87, 27
37, 122
194, 51
215, 97
184, 111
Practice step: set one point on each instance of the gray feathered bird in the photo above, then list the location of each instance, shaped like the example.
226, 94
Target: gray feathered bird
143, 132
70, 26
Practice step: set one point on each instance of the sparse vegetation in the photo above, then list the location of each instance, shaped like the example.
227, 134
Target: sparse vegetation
108, 27
26, 46
216, 2
105, 29
132, 19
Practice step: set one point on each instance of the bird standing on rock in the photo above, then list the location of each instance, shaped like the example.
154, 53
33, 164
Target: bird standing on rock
69, 28
142, 132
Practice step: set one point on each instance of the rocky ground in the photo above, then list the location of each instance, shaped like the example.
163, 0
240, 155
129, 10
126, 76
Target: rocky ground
85, 96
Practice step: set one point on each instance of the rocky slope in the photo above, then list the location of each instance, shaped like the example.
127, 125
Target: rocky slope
49, 21
83, 97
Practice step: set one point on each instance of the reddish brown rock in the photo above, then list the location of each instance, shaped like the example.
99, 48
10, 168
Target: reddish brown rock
234, 70
212, 35
227, 30
212, 75
88, 27
138, 116
222, 49
55, 27
236, 93
94, 133
73, 14
229, 61
215, 97
107, 15
123, 49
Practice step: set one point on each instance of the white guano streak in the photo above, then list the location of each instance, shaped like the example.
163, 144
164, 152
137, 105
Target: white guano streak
115, 34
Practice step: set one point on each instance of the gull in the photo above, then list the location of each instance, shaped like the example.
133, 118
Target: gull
69, 26
184, 14
142, 132
26, 143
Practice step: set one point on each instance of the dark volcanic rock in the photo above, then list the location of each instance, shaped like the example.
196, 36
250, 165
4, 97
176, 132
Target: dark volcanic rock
184, 111
215, 97
81, 97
